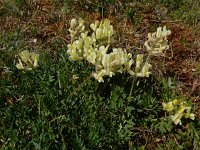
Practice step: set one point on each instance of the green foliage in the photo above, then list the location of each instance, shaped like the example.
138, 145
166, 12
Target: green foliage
41, 110
164, 126
185, 10
16, 8
59, 106
179, 138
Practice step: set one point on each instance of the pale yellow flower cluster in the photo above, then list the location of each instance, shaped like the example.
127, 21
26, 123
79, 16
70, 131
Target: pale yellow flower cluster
92, 49
157, 42
27, 60
76, 27
139, 70
102, 31
95, 48
109, 64
179, 109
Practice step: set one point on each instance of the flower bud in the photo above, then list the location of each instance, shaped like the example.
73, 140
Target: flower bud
73, 23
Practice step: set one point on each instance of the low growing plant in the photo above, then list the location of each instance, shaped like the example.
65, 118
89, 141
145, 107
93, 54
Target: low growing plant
178, 109
50, 102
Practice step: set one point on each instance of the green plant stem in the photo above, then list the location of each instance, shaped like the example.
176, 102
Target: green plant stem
130, 93
134, 79
79, 87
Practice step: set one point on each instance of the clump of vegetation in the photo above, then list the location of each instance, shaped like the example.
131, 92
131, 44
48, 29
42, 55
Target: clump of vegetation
181, 109
74, 90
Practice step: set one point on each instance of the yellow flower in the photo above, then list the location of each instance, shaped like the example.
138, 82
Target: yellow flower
73, 23
27, 60
139, 61
168, 106
175, 102
99, 75
107, 62
25, 57
192, 116
20, 65
75, 54
182, 108
91, 58
177, 118
145, 70
157, 41
35, 59
103, 30
94, 26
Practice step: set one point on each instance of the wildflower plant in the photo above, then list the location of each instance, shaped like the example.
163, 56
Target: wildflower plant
94, 47
157, 42
27, 60
178, 109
